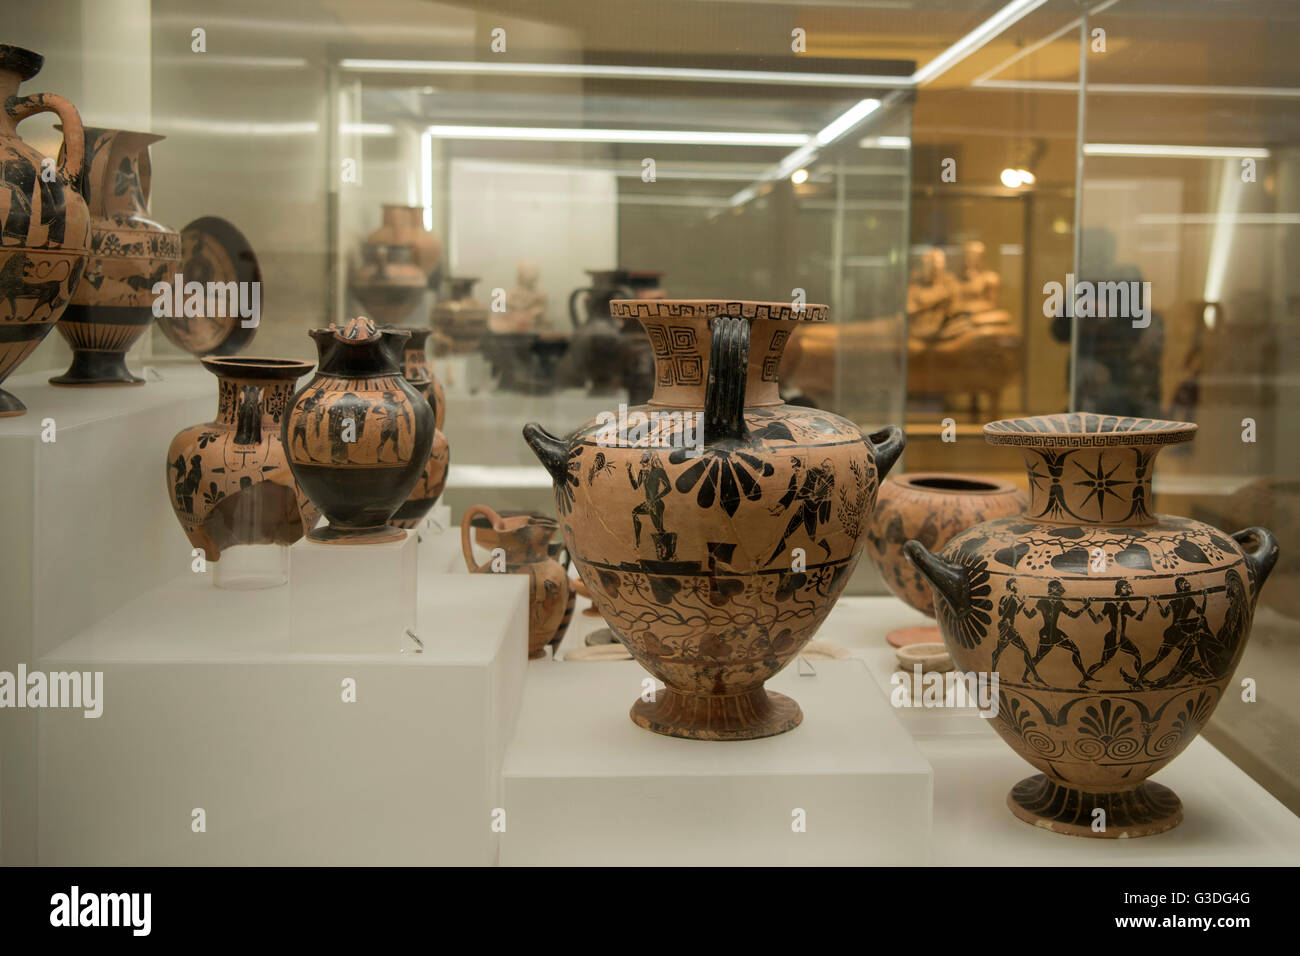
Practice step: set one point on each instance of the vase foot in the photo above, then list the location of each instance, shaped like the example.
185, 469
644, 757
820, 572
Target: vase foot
10, 406
1151, 808
907, 636
331, 535
759, 713
97, 368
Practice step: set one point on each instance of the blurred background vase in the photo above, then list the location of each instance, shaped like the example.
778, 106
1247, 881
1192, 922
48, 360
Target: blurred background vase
129, 254
404, 226
386, 282
46, 235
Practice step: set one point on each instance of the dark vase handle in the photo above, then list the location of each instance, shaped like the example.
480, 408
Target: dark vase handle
573, 307
886, 445
72, 154
1262, 556
724, 395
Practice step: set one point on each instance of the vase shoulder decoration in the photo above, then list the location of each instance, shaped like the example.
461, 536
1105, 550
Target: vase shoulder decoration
520, 544
931, 507
716, 531
1114, 630
358, 434
229, 478
44, 221
129, 254
433, 479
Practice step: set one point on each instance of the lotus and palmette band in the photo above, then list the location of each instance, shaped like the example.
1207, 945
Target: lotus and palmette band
1086, 430
713, 308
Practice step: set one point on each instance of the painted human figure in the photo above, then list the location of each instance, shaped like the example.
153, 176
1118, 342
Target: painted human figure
390, 424
810, 492
1117, 613
1009, 605
1050, 634
311, 407
652, 478
1186, 631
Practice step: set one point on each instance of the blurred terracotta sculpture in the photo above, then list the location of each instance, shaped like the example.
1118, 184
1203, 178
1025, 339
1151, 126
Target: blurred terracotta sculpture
931, 295
978, 285
525, 304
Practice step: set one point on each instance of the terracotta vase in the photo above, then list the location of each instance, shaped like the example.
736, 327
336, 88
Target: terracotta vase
1113, 630
598, 350
524, 542
404, 226
930, 507
129, 254
358, 434
433, 479
229, 478
44, 223
459, 321
715, 554
387, 282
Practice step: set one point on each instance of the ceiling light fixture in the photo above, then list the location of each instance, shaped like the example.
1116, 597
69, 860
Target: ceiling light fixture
799, 177
1175, 152
662, 136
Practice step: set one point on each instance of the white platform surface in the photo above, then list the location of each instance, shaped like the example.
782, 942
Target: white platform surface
206, 706
584, 785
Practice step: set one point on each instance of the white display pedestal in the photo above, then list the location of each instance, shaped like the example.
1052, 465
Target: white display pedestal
584, 785
439, 543
206, 706
1228, 819
87, 527
353, 599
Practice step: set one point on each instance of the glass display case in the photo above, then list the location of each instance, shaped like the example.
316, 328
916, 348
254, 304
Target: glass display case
837, 217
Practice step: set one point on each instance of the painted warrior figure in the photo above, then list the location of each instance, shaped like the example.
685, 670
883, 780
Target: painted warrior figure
311, 409
1050, 634
1009, 606
809, 491
652, 477
1117, 612
1186, 633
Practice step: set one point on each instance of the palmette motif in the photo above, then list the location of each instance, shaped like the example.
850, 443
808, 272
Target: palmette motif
715, 562
1113, 630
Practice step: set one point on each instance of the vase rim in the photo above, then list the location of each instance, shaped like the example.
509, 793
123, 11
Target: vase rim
253, 366
713, 308
1087, 430
16, 59
952, 483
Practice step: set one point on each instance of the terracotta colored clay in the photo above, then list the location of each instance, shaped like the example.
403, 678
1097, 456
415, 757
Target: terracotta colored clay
46, 226
459, 320
906, 636
387, 282
214, 251
930, 507
715, 561
415, 369
523, 540
129, 254
358, 434
404, 226
1114, 630
229, 478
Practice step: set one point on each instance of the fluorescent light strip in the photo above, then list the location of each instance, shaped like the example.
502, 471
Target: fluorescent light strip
847, 120
1175, 152
972, 41
666, 136
1150, 89
580, 70
885, 142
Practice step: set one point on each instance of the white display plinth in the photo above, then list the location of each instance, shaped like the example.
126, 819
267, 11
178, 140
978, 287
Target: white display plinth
87, 527
439, 542
353, 598
1228, 819
584, 785
205, 706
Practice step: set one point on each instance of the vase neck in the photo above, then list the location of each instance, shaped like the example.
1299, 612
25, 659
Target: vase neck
272, 396
681, 354
1108, 486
